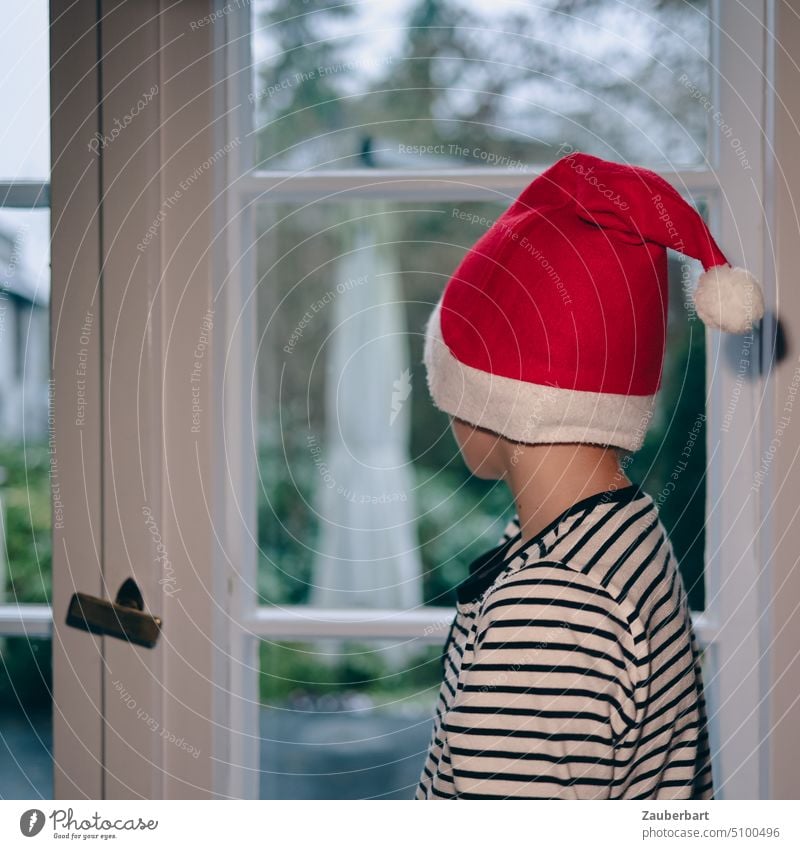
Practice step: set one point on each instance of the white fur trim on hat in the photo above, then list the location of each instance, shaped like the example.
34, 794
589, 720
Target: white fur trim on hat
728, 299
530, 412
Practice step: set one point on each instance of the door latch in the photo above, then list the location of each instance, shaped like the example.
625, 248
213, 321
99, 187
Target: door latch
124, 618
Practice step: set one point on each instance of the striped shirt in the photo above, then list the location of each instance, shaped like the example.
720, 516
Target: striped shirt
571, 669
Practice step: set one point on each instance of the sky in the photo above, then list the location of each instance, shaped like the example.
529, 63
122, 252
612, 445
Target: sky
24, 135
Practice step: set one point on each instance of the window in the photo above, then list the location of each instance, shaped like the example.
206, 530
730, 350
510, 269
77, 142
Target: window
25, 461
338, 186
378, 148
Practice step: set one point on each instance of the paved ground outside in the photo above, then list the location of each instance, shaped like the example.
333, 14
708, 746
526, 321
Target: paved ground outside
368, 754
26, 766
352, 754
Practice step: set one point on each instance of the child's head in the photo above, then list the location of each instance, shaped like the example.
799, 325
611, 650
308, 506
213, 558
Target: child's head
552, 328
484, 452
490, 456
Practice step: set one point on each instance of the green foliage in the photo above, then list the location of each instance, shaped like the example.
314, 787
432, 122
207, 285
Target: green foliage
291, 670
26, 675
26, 672
460, 517
287, 526
671, 465
481, 78
294, 93
25, 494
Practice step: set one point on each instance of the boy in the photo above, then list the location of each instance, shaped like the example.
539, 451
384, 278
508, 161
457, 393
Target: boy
571, 668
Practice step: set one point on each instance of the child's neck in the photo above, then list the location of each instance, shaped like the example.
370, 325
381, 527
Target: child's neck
545, 480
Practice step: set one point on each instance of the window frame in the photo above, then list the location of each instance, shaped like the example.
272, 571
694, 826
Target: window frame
735, 628
730, 607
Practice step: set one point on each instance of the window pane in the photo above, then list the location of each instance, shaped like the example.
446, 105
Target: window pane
671, 465
345, 720
24, 72
26, 769
458, 82
364, 500
25, 459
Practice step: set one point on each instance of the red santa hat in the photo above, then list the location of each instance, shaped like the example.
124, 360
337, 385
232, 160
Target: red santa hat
552, 328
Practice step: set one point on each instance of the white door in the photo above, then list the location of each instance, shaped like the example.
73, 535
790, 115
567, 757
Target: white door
134, 223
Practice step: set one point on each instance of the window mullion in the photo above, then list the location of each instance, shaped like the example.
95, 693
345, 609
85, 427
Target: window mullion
464, 184
428, 624
24, 194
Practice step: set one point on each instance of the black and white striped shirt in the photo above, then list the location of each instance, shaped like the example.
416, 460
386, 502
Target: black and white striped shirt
571, 669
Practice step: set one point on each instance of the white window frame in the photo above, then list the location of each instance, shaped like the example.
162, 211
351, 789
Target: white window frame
736, 627
736, 707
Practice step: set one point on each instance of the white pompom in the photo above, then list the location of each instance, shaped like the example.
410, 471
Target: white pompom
728, 299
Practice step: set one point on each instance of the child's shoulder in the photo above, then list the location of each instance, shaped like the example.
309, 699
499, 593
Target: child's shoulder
548, 580
543, 589
548, 603
542, 572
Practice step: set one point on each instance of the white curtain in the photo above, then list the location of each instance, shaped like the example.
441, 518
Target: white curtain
368, 544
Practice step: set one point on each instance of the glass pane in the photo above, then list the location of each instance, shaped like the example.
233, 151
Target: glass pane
459, 82
26, 734
364, 500
26, 769
25, 459
24, 72
671, 465
345, 720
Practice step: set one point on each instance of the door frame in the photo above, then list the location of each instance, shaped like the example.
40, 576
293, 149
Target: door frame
736, 583
208, 484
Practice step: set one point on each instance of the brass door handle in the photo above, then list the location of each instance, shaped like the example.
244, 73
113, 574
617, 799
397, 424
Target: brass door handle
124, 618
